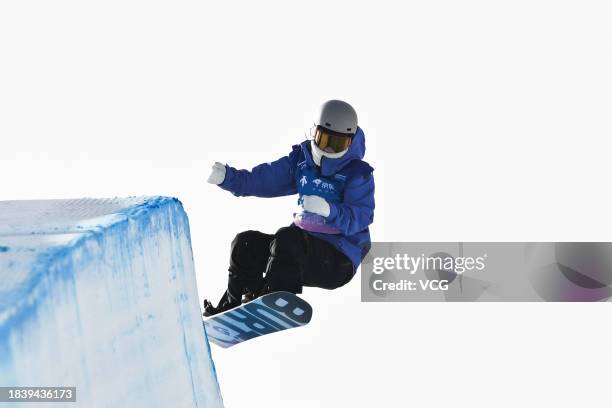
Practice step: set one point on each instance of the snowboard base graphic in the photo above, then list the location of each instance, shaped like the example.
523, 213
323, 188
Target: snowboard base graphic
270, 313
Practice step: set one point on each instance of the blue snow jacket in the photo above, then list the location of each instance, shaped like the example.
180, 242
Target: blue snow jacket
347, 183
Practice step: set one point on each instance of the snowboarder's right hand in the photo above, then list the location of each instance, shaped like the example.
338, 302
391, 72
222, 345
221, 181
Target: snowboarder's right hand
315, 204
217, 174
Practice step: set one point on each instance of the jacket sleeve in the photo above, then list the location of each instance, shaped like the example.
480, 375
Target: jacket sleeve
273, 179
356, 212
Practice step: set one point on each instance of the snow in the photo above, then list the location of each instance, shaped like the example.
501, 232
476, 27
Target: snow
101, 294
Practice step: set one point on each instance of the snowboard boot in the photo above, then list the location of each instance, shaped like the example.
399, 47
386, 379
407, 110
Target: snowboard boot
249, 296
252, 292
227, 302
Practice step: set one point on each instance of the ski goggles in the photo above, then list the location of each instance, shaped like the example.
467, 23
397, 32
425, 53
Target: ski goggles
330, 141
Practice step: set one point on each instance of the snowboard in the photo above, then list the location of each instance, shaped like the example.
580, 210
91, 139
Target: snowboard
270, 313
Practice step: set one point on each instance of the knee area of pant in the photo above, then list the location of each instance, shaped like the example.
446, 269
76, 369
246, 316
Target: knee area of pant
287, 241
242, 239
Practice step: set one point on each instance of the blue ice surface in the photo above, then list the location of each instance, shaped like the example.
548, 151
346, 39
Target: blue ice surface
101, 294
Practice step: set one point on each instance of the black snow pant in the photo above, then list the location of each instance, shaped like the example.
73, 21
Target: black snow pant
287, 260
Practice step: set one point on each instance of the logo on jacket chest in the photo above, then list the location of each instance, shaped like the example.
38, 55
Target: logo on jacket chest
311, 183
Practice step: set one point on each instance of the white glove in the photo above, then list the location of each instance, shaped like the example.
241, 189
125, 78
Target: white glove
217, 174
315, 204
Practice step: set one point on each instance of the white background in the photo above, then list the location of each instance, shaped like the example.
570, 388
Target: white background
484, 120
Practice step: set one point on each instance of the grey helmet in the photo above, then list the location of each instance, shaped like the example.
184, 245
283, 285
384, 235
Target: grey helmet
337, 116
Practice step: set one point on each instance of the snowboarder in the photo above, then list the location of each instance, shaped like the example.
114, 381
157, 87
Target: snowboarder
329, 236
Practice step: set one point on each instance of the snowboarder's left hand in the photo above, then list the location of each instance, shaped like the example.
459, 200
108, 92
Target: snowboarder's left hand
315, 204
